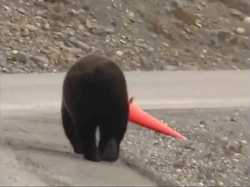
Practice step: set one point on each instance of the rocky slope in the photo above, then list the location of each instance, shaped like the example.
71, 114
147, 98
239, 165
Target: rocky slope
50, 35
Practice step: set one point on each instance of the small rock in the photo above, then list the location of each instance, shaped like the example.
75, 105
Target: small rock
83, 46
233, 147
243, 142
236, 13
41, 61
113, 22
46, 26
21, 10
240, 30
156, 142
73, 12
41, 12
108, 30
129, 142
225, 139
173, 5
172, 122
220, 183
79, 44
179, 164
171, 67
232, 119
99, 29
81, 27
154, 35
31, 27
3, 59
45, 65
14, 52
201, 183
86, 7
122, 41
119, 53
247, 19
185, 16
178, 170
25, 32
38, 24
114, 5
199, 7
203, 122
202, 55
74, 50
198, 23
89, 24
4, 70
70, 31
19, 57
141, 43
236, 160
248, 61
131, 16
165, 44
223, 36
247, 172
6, 8
146, 63
124, 37
150, 49
218, 38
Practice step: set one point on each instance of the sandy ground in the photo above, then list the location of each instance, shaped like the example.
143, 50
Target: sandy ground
35, 151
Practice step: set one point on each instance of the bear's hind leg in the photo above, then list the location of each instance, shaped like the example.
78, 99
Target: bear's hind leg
109, 149
88, 137
111, 136
70, 132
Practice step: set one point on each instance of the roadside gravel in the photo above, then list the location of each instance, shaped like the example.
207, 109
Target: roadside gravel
217, 152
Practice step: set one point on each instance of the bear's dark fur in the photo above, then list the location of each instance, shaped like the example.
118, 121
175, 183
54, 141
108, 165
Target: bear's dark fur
95, 95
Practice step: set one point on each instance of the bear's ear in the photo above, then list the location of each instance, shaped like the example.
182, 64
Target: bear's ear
131, 99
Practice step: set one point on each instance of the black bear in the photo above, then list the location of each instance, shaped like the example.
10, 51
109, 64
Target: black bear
95, 95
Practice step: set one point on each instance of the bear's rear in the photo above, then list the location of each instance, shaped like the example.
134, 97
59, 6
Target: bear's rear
95, 94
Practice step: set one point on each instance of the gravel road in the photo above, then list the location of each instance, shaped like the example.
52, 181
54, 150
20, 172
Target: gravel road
217, 153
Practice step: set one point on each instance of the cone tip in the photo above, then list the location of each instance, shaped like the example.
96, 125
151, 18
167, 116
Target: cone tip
182, 138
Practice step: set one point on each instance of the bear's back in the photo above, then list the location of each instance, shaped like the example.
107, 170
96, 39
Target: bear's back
97, 83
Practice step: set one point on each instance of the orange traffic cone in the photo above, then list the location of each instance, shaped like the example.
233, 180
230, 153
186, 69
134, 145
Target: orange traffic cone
138, 116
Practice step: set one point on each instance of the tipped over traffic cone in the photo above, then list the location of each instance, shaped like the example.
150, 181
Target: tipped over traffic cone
138, 116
